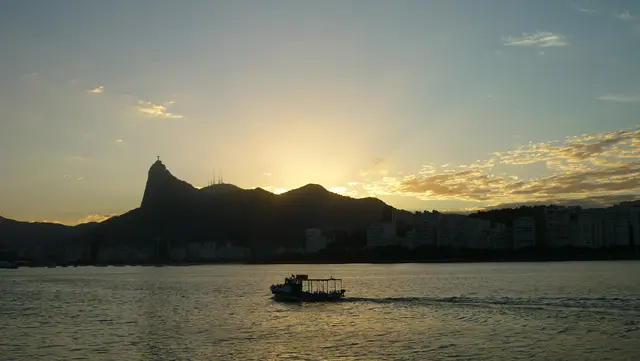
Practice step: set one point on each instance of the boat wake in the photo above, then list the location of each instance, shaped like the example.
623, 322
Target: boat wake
604, 304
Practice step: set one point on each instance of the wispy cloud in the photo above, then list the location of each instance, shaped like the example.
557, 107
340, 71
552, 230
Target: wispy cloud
583, 7
621, 98
95, 217
96, 90
543, 39
585, 10
156, 110
630, 20
625, 16
598, 168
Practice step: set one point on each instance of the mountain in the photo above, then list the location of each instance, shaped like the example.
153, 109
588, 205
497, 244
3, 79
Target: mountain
17, 236
163, 189
174, 211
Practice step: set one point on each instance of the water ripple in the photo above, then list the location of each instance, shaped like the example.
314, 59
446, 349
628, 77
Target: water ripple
563, 311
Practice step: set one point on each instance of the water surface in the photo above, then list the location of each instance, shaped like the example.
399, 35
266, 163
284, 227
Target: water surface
485, 311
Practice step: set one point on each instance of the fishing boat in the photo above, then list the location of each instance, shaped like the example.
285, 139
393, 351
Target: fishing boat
301, 288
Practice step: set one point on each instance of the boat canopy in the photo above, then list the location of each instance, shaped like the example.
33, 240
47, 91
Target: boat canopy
306, 278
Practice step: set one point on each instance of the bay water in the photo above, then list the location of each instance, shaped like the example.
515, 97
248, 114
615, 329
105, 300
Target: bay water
466, 311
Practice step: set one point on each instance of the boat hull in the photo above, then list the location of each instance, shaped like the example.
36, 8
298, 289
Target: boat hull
307, 297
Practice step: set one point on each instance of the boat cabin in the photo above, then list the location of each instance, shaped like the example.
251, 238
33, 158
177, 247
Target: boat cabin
306, 284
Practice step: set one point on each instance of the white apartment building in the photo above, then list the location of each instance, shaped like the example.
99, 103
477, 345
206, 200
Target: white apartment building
498, 238
561, 226
450, 231
586, 225
382, 234
476, 233
458, 231
622, 224
426, 226
524, 232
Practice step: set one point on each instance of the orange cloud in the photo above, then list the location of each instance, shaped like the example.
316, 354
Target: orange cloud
95, 218
96, 90
602, 167
156, 110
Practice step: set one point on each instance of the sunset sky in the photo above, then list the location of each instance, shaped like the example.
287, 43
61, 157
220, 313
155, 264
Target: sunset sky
447, 105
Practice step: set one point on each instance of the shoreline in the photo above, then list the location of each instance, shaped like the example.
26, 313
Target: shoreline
316, 262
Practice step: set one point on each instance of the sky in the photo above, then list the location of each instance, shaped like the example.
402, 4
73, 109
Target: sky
450, 105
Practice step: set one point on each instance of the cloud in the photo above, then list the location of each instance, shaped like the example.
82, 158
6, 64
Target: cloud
597, 168
625, 16
599, 147
339, 190
50, 221
97, 90
156, 110
630, 20
621, 98
589, 202
585, 10
542, 39
95, 218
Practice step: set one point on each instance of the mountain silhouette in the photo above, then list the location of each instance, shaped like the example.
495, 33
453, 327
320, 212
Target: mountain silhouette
17, 235
163, 189
174, 211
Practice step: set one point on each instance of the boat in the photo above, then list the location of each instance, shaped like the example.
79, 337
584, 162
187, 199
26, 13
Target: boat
301, 288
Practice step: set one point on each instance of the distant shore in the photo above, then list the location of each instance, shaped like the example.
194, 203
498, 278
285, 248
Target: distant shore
22, 264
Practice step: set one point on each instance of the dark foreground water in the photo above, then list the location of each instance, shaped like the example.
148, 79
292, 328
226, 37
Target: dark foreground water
522, 311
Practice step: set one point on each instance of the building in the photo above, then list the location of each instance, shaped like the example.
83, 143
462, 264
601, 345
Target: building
585, 237
426, 229
381, 235
617, 222
475, 233
634, 216
622, 224
524, 232
453, 230
561, 226
591, 229
499, 236
384, 233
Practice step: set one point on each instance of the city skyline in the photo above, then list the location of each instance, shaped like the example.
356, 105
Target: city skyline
407, 102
